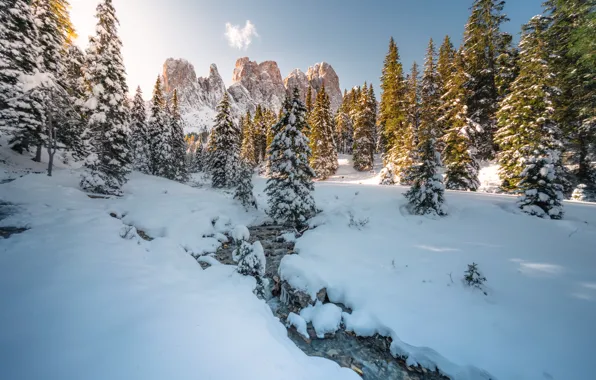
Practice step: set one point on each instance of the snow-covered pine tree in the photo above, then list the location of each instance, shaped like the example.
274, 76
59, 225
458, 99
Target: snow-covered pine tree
259, 132
529, 134
248, 151
251, 262
109, 163
21, 112
224, 147
571, 44
344, 127
309, 100
405, 156
199, 158
507, 69
482, 39
392, 108
584, 193
140, 137
323, 159
426, 196
178, 142
72, 80
290, 185
160, 135
364, 128
459, 159
244, 189
445, 70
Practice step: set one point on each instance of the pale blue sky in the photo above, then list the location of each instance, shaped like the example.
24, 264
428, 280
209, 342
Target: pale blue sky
351, 35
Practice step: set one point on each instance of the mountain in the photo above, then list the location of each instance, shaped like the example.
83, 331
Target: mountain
252, 84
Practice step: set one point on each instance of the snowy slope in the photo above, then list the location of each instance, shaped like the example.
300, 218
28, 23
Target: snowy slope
402, 276
79, 301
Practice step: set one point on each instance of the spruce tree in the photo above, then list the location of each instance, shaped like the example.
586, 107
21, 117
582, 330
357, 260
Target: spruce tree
482, 40
140, 137
426, 196
259, 134
160, 134
344, 126
248, 151
459, 158
21, 111
571, 43
225, 147
75, 120
290, 185
244, 190
445, 70
324, 155
364, 124
109, 163
178, 142
309, 100
528, 134
392, 108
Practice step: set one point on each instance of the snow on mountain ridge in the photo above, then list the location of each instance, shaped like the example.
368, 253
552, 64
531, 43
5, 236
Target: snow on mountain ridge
253, 84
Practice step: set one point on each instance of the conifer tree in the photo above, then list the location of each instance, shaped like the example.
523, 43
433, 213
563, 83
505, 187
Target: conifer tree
482, 40
364, 125
309, 100
178, 142
507, 68
392, 109
110, 160
461, 166
324, 155
426, 196
344, 127
290, 185
528, 134
571, 44
248, 152
259, 134
244, 189
225, 147
140, 137
21, 111
160, 134
73, 82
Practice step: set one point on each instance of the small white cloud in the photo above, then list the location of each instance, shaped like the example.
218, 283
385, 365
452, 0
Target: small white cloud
240, 38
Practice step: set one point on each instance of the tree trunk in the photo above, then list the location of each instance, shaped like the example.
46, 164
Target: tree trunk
51, 142
38, 153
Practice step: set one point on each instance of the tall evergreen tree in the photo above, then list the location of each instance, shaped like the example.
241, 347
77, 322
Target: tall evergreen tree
324, 154
344, 127
426, 196
461, 165
110, 160
21, 111
392, 108
225, 147
259, 134
309, 100
244, 190
248, 151
445, 70
178, 142
482, 40
290, 185
73, 82
528, 134
160, 134
140, 137
572, 45
364, 125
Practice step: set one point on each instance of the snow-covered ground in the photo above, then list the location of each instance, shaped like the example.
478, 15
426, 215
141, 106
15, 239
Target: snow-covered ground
82, 296
402, 276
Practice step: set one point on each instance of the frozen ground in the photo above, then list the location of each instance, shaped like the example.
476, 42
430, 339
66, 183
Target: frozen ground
402, 276
82, 296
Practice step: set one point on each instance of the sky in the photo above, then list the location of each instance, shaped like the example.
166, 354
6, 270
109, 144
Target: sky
351, 35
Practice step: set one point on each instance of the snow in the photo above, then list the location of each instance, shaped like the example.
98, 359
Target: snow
402, 277
80, 301
240, 233
299, 323
325, 318
82, 295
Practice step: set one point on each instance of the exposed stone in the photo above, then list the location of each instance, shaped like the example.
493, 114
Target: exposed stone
316, 76
262, 81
